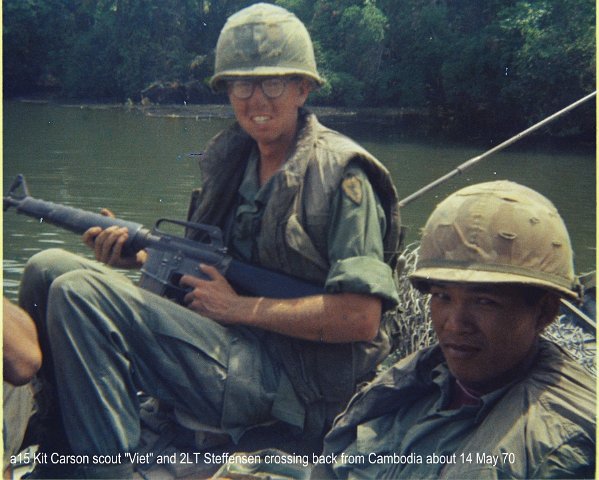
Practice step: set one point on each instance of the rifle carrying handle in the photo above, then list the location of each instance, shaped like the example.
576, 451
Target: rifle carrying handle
210, 232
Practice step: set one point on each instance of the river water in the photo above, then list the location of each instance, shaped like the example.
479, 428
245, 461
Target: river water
141, 164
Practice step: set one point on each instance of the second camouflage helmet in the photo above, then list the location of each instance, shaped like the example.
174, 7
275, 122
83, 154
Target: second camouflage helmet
263, 40
496, 232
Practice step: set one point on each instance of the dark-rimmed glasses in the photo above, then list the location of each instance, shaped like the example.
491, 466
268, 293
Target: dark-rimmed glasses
271, 87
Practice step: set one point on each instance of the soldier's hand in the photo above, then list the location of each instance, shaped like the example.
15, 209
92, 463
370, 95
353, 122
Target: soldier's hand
108, 244
214, 298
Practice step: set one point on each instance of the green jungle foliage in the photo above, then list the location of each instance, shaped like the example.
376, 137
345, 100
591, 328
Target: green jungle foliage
488, 65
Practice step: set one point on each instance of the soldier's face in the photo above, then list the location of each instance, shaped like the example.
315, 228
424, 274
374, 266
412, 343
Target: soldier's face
272, 122
487, 331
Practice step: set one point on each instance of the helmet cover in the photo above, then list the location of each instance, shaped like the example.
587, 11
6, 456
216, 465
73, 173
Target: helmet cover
496, 232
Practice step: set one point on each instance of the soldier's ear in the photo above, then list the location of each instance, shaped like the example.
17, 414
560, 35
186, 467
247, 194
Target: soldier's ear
303, 90
306, 86
547, 310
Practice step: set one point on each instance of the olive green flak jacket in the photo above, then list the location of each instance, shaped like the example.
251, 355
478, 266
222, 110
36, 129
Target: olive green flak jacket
323, 375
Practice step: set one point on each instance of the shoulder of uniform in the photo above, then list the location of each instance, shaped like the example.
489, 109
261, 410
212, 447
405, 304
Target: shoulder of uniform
560, 386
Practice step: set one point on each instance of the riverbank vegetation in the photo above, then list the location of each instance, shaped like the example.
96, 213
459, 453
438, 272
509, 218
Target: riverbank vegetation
468, 67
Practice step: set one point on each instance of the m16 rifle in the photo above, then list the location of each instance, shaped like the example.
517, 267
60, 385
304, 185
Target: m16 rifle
169, 256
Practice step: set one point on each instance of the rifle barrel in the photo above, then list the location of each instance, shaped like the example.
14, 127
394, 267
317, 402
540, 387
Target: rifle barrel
76, 220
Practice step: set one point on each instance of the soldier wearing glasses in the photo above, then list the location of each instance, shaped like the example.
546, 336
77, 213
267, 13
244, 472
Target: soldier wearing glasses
291, 195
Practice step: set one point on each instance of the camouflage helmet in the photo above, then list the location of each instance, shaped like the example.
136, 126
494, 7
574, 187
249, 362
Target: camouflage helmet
264, 40
496, 232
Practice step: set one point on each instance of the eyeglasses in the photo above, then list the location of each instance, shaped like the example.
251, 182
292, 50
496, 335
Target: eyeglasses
271, 87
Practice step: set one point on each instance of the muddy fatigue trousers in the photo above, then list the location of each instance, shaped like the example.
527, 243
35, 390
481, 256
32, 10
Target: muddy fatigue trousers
109, 339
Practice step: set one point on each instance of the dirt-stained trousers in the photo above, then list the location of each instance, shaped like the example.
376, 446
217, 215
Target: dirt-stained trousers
109, 339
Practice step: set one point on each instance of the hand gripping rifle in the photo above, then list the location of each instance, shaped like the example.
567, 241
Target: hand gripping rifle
169, 256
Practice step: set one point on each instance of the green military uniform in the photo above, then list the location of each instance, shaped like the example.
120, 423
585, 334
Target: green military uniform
424, 417
355, 230
112, 339
541, 425
329, 215
323, 222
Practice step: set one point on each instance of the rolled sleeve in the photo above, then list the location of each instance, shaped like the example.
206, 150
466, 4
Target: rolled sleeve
356, 233
363, 275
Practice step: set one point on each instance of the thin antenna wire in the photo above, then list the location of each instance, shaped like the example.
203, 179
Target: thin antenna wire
469, 163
